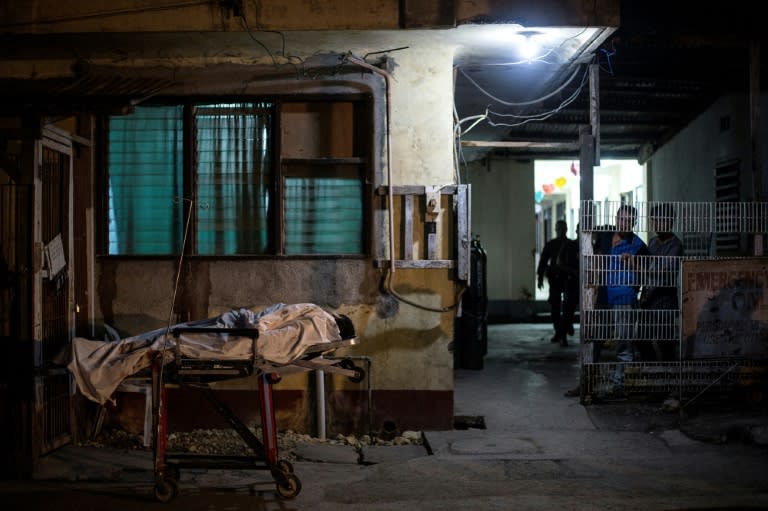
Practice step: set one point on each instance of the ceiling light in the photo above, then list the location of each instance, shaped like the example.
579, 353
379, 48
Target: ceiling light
528, 45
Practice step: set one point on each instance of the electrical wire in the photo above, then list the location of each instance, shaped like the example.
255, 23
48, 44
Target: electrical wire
539, 58
389, 289
486, 116
521, 103
527, 117
540, 116
175, 285
388, 272
244, 24
608, 54
458, 154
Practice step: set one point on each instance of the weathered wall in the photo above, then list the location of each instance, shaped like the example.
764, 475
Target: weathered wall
408, 345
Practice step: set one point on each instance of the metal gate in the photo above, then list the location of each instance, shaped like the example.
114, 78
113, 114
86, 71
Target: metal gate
53, 383
35, 298
681, 370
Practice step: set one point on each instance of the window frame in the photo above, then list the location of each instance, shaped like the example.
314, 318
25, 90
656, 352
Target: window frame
281, 167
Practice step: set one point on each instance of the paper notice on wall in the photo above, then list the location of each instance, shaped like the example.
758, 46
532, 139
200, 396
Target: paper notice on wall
54, 256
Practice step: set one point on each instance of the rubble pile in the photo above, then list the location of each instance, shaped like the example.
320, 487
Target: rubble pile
228, 442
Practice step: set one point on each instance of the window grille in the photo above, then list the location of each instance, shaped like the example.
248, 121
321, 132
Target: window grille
223, 158
145, 160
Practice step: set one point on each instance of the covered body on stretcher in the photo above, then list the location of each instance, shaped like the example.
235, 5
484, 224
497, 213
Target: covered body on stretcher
277, 340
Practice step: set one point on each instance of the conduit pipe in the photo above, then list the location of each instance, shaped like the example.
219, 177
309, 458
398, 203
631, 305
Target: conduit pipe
320, 385
391, 194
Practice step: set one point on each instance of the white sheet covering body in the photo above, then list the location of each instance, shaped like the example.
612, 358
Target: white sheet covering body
285, 333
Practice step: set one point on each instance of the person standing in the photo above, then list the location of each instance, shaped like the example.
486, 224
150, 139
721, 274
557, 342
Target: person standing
660, 294
622, 288
602, 242
559, 263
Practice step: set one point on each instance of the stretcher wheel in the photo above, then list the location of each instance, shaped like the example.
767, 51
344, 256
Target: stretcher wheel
166, 489
359, 372
285, 466
288, 486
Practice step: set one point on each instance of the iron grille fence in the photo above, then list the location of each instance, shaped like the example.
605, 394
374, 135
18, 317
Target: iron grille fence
697, 225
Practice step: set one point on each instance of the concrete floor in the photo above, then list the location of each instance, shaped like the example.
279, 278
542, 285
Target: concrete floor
538, 450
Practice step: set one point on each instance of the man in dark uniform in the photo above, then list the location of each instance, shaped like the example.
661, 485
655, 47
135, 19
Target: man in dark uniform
559, 263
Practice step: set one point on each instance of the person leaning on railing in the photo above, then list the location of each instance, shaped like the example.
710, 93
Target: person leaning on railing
622, 288
660, 294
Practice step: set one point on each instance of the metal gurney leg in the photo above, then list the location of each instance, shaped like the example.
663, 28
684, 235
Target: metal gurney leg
166, 482
168, 466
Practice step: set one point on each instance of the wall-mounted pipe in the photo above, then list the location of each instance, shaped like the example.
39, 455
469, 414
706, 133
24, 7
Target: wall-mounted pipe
391, 192
391, 195
320, 386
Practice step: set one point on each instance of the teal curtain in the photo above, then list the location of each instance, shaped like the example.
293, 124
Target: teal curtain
234, 178
323, 215
145, 182
235, 209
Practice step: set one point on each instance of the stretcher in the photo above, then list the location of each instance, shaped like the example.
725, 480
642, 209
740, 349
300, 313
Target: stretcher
196, 374
266, 344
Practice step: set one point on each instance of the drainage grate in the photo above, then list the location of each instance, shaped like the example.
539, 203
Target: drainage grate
468, 421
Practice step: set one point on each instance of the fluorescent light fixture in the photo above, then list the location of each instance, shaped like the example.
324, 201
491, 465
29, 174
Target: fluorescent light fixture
528, 45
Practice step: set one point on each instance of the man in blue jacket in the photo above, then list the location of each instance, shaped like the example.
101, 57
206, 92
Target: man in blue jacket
623, 286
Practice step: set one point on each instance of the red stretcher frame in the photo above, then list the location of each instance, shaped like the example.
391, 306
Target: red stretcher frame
192, 374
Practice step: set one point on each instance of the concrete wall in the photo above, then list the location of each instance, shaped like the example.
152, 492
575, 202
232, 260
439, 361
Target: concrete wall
503, 217
683, 169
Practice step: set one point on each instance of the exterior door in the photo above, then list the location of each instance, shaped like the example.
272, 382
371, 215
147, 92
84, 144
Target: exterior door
52, 421
36, 298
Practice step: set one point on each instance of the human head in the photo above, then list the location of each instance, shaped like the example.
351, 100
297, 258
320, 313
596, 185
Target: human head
561, 228
662, 217
625, 218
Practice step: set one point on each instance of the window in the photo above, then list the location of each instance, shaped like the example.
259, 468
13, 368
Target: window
246, 197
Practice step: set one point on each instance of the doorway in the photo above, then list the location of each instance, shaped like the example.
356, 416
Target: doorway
557, 196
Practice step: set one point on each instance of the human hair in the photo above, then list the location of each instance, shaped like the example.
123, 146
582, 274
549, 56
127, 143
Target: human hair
628, 210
